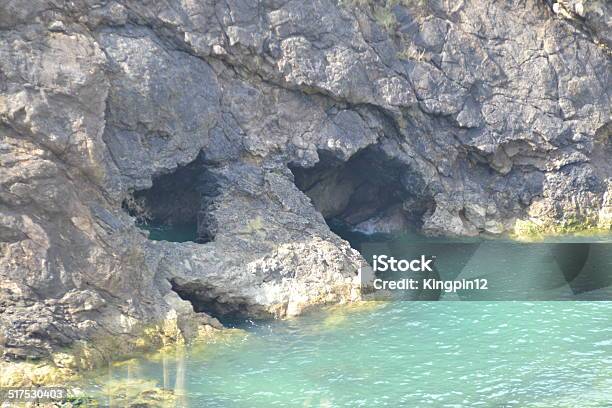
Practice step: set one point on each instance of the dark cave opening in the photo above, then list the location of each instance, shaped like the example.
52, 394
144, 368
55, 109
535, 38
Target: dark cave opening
206, 299
370, 193
177, 206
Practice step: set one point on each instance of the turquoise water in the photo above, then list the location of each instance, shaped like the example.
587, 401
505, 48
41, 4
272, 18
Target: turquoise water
404, 354
410, 354
174, 233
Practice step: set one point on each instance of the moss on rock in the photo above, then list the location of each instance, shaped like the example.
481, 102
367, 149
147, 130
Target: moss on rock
532, 229
67, 365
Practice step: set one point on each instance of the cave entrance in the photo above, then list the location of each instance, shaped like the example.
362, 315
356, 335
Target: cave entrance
177, 206
370, 193
231, 312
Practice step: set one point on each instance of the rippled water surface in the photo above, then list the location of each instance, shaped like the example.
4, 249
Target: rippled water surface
403, 354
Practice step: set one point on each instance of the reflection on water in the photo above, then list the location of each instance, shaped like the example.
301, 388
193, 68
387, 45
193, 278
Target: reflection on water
129, 383
180, 390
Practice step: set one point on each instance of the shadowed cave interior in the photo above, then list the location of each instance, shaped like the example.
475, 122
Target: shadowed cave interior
231, 312
177, 206
369, 193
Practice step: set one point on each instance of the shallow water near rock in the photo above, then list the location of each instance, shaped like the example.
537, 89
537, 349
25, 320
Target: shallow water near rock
439, 354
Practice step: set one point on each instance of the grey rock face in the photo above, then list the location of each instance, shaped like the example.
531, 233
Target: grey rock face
473, 114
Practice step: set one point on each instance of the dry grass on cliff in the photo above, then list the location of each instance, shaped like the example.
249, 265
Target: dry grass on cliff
383, 14
382, 10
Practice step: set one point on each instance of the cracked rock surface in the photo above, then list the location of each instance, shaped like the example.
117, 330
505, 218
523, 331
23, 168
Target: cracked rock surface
492, 112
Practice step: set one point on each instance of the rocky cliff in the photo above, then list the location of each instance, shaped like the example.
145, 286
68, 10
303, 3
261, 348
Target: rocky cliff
253, 122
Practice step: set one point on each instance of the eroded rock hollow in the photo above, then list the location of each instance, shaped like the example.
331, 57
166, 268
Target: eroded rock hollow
370, 192
177, 207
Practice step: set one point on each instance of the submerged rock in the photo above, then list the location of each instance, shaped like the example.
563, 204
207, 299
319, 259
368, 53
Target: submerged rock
470, 116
